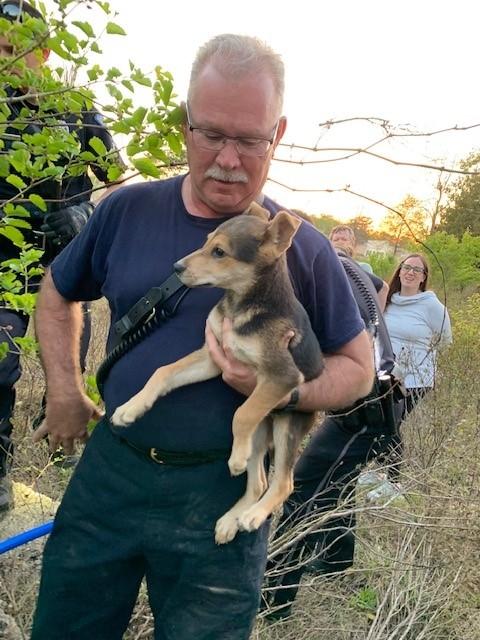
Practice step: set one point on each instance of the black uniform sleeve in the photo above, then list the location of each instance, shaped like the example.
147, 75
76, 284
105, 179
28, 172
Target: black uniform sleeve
377, 282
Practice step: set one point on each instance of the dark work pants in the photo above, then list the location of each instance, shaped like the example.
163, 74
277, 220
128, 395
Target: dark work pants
124, 517
14, 325
413, 396
327, 470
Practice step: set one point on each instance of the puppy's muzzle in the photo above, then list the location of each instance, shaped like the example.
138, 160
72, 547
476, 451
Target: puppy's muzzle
179, 267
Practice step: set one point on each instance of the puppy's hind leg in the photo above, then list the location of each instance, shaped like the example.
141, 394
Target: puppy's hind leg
288, 431
256, 407
227, 526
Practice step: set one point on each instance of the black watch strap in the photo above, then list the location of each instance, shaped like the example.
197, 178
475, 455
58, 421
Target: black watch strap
291, 404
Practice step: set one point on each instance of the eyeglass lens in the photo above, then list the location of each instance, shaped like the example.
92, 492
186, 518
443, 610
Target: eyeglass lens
409, 267
12, 10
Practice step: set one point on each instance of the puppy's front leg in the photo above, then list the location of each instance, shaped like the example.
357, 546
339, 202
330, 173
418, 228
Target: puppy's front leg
195, 367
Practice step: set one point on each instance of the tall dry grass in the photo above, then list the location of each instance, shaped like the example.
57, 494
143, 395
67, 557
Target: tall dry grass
417, 567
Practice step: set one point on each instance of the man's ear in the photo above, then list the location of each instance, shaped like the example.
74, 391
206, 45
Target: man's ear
280, 232
282, 125
259, 212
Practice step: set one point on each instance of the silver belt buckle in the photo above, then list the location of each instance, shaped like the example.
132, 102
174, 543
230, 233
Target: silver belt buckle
154, 456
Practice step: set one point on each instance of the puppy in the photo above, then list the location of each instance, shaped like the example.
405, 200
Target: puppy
245, 256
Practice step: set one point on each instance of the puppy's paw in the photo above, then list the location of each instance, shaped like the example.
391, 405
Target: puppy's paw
237, 465
226, 528
127, 413
252, 519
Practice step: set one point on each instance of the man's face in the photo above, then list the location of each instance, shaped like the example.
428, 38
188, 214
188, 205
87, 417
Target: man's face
33, 60
342, 239
226, 181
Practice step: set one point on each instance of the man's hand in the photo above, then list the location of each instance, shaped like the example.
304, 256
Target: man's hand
66, 421
63, 225
238, 375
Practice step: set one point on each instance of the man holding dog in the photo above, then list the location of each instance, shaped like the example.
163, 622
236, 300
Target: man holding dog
143, 500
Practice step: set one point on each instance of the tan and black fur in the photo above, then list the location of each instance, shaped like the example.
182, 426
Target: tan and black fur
246, 257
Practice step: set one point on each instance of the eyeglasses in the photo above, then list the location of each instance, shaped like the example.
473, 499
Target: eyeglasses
215, 141
409, 267
12, 11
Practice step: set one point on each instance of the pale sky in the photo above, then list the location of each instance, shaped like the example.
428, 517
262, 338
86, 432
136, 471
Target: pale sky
409, 61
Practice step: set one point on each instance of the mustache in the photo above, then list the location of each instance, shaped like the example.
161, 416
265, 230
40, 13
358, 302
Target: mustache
217, 173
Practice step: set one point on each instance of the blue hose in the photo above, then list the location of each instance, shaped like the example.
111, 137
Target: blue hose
25, 536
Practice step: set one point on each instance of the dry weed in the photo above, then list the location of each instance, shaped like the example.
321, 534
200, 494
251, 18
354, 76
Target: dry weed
417, 568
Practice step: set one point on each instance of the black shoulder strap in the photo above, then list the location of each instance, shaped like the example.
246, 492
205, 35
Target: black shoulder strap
145, 307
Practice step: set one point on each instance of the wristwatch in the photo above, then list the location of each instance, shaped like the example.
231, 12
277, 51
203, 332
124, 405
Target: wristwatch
292, 402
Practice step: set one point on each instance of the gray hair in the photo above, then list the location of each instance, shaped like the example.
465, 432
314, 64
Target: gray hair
237, 55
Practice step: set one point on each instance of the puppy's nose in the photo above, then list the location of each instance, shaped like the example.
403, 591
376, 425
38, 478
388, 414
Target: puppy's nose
179, 267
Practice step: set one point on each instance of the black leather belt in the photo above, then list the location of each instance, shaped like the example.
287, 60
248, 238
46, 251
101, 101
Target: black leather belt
180, 458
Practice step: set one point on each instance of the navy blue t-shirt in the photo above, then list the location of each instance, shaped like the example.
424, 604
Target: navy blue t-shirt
130, 245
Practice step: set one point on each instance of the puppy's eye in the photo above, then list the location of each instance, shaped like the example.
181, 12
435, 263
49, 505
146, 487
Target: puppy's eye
217, 252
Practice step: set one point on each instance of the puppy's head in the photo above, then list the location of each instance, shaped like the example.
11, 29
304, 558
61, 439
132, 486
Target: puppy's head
238, 250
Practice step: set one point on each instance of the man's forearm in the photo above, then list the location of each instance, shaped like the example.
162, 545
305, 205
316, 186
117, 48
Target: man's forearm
58, 325
347, 377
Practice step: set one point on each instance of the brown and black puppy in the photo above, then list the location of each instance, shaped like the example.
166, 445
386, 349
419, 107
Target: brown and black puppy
246, 257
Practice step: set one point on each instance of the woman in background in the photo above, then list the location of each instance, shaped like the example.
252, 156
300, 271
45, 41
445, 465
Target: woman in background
419, 325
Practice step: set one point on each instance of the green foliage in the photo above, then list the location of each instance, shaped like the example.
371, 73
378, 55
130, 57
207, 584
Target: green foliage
325, 223
94, 395
383, 265
454, 261
35, 144
466, 322
463, 210
15, 276
366, 600
362, 227
407, 221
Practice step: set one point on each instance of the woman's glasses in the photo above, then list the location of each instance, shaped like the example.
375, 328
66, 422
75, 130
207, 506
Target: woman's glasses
408, 267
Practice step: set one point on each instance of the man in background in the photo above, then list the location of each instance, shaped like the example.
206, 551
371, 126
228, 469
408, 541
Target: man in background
343, 238
67, 199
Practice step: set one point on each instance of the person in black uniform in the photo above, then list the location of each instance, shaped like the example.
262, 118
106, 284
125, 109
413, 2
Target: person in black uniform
66, 198
329, 466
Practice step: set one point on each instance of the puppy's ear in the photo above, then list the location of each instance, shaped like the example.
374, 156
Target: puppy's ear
280, 232
259, 212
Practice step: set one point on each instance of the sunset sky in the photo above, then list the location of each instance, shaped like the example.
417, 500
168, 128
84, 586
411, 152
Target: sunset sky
408, 62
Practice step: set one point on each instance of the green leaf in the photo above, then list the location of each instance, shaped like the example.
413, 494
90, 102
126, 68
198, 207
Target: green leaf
4, 167
174, 144
113, 173
95, 48
98, 146
86, 27
115, 29
16, 181
138, 116
113, 73
38, 201
141, 78
55, 45
12, 234
176, 116
147, 167
27, 344
120, 127
128, 85
95, 72
3, 350
17, 223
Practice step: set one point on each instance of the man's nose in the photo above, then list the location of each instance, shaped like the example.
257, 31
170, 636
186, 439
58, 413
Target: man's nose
228, 157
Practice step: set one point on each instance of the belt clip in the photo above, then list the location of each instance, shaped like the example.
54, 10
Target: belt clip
154, 456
